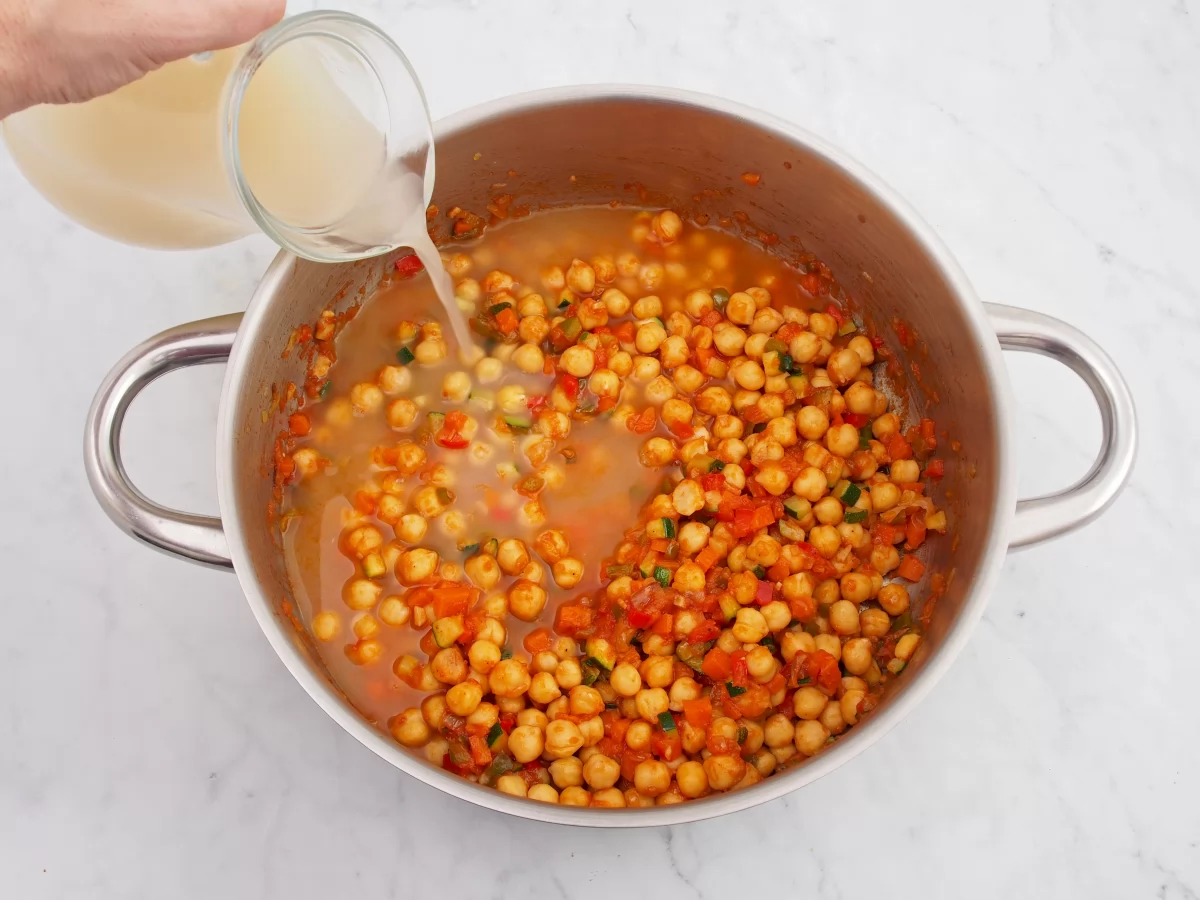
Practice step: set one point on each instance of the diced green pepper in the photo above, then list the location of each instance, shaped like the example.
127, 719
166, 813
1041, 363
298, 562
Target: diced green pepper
734, 690
494, 733
571, 327
519, 424
506, 653
491, 546
864, 437
855, 515
742, 734
760, 573
662, 576
720, 297
786, 363
323, 390
666, 721
797, 507
501, 764
499, 307
614, 570
692, 655
405, 356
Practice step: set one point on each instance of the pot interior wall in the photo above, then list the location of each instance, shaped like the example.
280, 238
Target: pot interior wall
648, 152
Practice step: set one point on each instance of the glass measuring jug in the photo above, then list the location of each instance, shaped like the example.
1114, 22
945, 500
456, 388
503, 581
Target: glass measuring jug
316, 133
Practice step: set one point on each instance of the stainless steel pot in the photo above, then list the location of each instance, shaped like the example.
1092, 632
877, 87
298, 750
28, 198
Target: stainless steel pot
589, 145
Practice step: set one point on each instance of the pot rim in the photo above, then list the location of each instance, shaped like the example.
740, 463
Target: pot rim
771, 788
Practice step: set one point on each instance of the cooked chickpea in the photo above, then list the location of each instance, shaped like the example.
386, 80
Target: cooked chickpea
812, 423
740, 308
639, 735
525, 743
826, 539
748, 374
842, 440
361, 594
526, 600
409, 728
645, 369
667, 226
483, 570
657, 671
724, 771
567, 772
849, 704
625, 680
448, 666
774, 480
563, 738
808, 702
464, 698
894, 599
750, 626
761, 664
651, 702
601, 771
568, 674
326, 625
578, 361
529, 358
691, 778
884, 495
687, 497
509, 678
659, 390
843, 617
857, 656
651, 777
512, 555
810, 736
568, 572
649, 337
856, 587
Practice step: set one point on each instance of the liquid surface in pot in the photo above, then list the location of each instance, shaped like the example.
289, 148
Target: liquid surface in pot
650, 512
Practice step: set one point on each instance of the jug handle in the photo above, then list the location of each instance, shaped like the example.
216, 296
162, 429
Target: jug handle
194, 537
1039, 519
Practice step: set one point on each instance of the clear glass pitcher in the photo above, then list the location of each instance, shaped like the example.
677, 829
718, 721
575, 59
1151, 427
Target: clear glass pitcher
316, 133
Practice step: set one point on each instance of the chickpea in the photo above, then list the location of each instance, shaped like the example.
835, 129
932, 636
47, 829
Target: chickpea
778, 731
826, 539
616, 302
563, 738
687, 497
905, 471
724, 771
609, 798
812, 423
416, 565
529, 358
761, 664
511, 784
874, 623
639, 735
645, 369
693, 537
842, 440
849, 705
857, 656
525, 743
448, 666
601, 771
394, 379
512, 556
740, 308
566, 772
568, 674
831, 718
885, 426
366, 398
774, 480
411, 528
748, 374
578, 361
667, 226
409, 728
543, 793
659, 390
568, 572
691, 778
843, 365
431, 351
811, 736
649, 337
830, 643
543, 688
766, 321
894, 599
860, 398
884, 495
361, 594
777, 614
684, 689
509, 678
526, 600
808, 702
794, 642
464, 698
651, 702
483, 570
750, 626
605, 383
326, 625
843, 617
651, 777
657, 671
856, 587
625, 680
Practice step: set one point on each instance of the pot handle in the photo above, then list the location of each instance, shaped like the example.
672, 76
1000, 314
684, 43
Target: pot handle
194, 537
1040, 518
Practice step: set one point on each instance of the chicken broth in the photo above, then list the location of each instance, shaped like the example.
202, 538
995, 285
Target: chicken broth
656, 470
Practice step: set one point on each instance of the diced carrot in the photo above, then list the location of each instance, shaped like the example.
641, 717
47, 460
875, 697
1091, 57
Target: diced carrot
910, 569
929, 434
914, 529
698, 713
682, 430
884, 535
915, 486
706, 558
779, 571
703, 356
537, 640
717, 665
480, 754
507, 321
450, 599
776, 684
619, 728
935, 468
823, 669
898, 447
298, 424
663, 625
571, 618
625, 332
787, 331
364, 503
804, 608
710, 318
660, 545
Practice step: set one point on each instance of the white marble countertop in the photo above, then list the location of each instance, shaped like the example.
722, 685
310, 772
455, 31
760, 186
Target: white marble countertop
151, 744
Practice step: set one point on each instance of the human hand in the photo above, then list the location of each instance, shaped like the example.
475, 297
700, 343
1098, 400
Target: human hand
66, 51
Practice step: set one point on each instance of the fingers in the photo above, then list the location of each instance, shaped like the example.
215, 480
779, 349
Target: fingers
185, 27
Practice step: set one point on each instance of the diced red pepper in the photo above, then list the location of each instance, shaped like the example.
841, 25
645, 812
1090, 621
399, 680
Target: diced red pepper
570, 386
765, 593
625, 332
535, 403
823, 669
914, 529
298, 424
508, 721
571, 618
935, 468
682, 430
743, 522
811, 283
667, 745
836, 313
708, 630
898, 447
713, 481
858, 420
876, 341
639, 618
408, 266
698, 713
